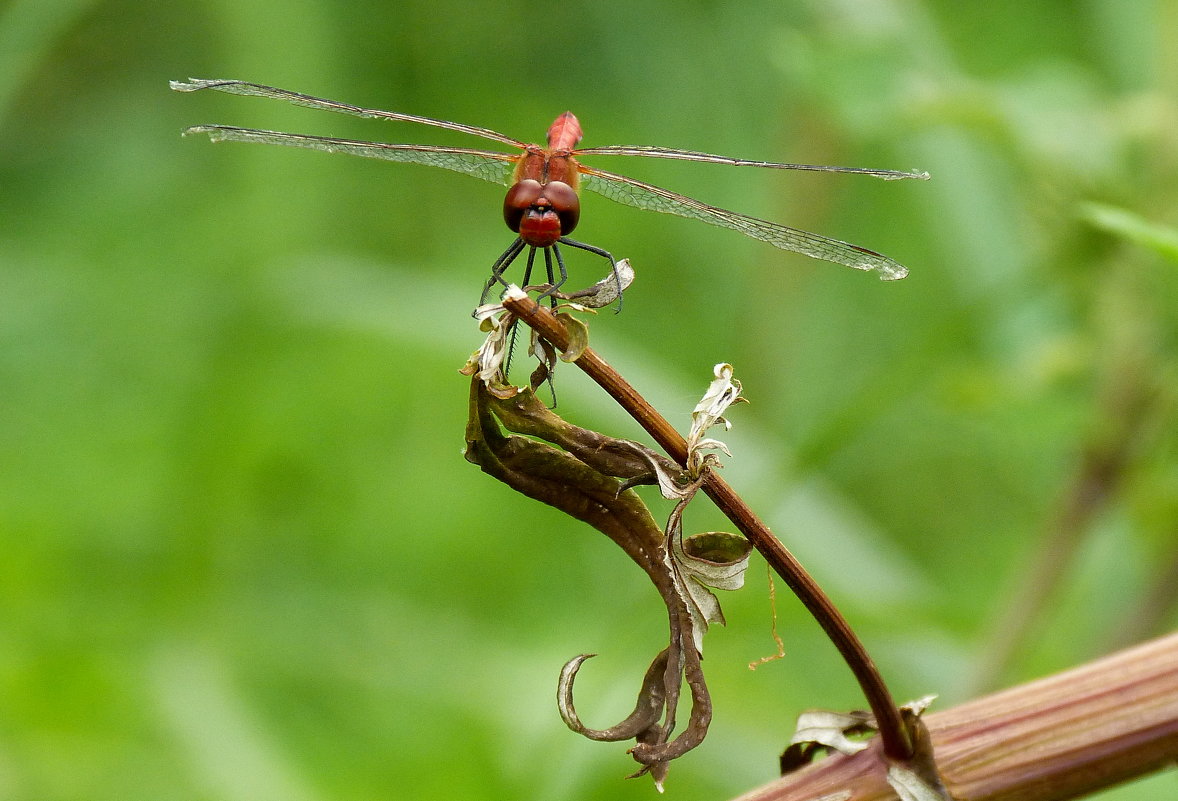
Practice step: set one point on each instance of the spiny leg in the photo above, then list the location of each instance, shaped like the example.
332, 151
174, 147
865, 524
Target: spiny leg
548, 272
605, 254
564, 274
500, 266
553, 285
531, 261
515, 325
548, 376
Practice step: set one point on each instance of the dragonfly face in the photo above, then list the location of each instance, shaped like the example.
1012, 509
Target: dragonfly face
541, 213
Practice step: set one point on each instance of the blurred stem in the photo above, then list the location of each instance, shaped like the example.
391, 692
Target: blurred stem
1125, 416
29, 30
1149, 615
894, 735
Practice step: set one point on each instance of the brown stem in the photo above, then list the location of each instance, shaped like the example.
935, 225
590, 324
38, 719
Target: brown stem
897, 741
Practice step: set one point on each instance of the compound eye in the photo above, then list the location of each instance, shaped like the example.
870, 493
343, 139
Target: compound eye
564, 201
520, 197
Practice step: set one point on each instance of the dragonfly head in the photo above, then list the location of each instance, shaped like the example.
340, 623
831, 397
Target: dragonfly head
541, 213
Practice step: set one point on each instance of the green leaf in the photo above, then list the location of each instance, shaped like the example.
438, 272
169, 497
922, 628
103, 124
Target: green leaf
1162, 239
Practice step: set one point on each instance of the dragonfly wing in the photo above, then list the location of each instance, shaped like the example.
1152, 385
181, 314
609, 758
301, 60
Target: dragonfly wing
710, 158
298, 99
625, 190
488, 165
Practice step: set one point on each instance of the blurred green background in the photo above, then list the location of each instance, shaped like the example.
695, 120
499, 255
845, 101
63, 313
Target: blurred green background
243, 557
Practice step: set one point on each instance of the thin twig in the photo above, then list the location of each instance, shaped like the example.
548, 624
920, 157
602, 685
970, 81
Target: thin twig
896, 740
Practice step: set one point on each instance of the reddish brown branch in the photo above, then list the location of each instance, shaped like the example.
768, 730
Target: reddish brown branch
894, 735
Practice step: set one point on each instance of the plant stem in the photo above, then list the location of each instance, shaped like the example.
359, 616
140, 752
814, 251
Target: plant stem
1056, 738
1125, 414
895, 737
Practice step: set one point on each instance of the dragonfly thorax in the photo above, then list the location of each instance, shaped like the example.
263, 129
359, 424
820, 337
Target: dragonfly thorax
541, 213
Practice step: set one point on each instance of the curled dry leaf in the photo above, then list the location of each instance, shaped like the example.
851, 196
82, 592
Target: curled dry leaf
715, 559
647, 711
588, 475
673, 481
821, 730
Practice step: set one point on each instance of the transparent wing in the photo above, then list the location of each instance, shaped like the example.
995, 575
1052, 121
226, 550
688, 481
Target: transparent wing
645, 196
487, 165
260, 90
692, 155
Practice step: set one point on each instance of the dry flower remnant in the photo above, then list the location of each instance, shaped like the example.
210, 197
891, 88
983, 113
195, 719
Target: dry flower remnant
590, 476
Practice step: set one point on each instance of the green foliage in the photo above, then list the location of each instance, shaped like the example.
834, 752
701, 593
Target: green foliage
243, 557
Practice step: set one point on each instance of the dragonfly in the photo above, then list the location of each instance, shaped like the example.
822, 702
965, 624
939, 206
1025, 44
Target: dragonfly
542, 205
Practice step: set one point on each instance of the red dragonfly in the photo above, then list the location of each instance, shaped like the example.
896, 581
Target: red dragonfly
542, 205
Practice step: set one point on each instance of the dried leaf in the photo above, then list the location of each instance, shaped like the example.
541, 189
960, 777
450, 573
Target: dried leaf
647, 710
830, 729
715, 559
722, 393
589, 477
487, 361
718, 558
573, 481
819, 730
634, 463
578, 334
915, 779
917, 707
605, 291
673, 482
918, 778
910, 786
546, 356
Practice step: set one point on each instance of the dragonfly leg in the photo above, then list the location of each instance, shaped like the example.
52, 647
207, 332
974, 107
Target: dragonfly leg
564, 274
605, 254
528, 270
500, 266
553, 284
